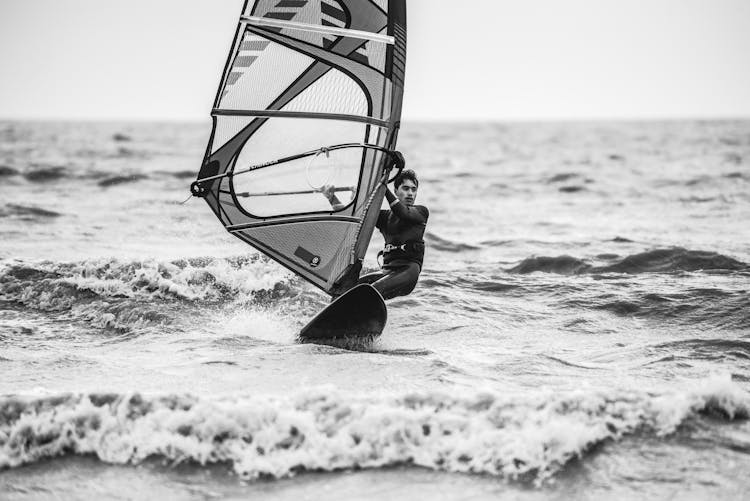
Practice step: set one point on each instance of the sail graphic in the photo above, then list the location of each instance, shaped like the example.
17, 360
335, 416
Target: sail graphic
310, 98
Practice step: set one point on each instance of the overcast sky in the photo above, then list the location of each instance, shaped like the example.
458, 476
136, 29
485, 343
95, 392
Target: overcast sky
488, 59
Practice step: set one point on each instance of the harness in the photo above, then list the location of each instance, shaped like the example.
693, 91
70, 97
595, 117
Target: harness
411, 248
390, 248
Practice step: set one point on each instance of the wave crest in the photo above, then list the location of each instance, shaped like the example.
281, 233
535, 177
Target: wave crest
527, 438
27, 212
670, 260
437, 242
126, 295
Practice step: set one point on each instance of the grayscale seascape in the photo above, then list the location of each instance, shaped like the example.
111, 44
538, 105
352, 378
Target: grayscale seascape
581, 329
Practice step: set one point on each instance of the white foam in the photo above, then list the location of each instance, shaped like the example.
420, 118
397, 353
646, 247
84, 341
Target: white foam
260, 324
322, 429
48, 285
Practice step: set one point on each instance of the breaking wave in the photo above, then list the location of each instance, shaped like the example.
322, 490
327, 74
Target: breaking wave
43, 174
33, 284
115, 180
103, 178
124, 294
675, 259
571, 189
527, 438
443, 244
183, 174
27, 212
671, 260
562, 265
713, 307
7, 171
563, 177
709, 349
120, 137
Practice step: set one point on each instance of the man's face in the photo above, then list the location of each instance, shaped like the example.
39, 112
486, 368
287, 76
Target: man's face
407, 192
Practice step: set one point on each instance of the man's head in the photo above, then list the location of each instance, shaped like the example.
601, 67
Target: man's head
406, 185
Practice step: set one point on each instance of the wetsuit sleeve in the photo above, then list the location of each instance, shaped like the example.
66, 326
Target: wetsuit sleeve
416, 214
382, 220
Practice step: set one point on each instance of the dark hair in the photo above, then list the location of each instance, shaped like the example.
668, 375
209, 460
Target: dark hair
407, 174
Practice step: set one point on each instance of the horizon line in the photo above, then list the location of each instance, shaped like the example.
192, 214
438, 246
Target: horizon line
461, 120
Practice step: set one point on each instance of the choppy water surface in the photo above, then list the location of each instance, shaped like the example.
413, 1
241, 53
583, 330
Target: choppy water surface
581, 327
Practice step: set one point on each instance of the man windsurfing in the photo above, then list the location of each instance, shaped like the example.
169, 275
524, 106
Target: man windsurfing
402, 227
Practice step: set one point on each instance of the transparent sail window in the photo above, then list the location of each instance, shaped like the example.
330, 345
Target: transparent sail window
296, 187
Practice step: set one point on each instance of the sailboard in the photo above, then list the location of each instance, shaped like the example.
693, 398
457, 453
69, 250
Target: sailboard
310, 99
358, 315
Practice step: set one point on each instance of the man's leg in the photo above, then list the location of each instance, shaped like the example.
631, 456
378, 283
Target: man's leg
370, 278
396, 282
366, 279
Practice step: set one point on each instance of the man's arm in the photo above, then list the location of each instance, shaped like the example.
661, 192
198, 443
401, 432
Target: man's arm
417, 214
329, 191
382, 221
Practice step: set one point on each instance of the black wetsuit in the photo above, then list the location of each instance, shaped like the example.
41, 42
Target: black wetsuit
403, 229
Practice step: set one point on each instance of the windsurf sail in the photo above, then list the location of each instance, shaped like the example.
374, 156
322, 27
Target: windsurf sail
309, 101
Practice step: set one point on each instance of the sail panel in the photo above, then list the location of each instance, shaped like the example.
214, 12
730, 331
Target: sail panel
294, 187
382, 4
281, 136
263, 69
226, 128
260, 71
312, 248
263, 190
334, 92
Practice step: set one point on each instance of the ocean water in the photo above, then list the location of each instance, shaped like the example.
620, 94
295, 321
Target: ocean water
581, 329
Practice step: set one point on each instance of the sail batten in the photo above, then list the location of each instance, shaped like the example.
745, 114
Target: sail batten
325, 29
299, 114
247, 226
304, 120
